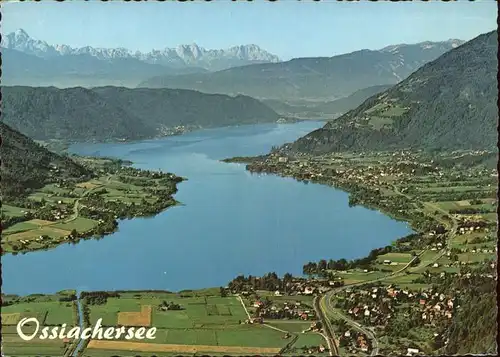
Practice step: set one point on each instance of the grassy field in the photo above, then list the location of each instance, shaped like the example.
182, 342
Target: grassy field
356, 276
81, 224
49, 311
12, 211
396, 257
203, 321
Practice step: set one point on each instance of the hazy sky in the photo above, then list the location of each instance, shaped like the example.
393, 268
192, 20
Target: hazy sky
288, 28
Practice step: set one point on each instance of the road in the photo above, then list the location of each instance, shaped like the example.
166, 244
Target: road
325, 304
329, 336
366, 330
269, 326
77, 202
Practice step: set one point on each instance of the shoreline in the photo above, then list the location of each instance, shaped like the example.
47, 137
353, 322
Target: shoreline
60, 145
251, 160
373, 208
351, 192
105, 214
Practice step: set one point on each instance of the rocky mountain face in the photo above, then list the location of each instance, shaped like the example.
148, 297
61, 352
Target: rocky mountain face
181, 56
318, 78
449, 103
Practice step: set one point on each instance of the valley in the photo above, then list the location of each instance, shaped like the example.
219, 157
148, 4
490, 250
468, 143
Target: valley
336, 198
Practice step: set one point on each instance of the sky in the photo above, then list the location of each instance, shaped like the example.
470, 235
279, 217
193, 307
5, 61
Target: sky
287, 28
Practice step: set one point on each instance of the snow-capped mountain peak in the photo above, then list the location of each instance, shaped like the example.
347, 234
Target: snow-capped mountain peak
182, 55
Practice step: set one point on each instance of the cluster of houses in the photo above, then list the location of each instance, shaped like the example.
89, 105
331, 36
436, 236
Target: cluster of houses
311, 350
286, 310
435, 307
470, 224
58, 211
298, 286
353, 341
315, 168
377, 305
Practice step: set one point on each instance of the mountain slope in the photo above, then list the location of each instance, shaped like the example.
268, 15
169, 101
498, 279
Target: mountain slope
27, 166
350, 102
107, 113
312, 78
448, 103
323, 110
171, 107
73, 113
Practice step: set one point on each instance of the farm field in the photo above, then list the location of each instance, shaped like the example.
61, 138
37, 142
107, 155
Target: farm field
65, 208
12, 211
190, 349
406, 282
198, 324
49, 311
357, 276
396, 257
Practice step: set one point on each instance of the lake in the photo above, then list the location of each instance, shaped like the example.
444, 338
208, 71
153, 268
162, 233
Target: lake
230, 222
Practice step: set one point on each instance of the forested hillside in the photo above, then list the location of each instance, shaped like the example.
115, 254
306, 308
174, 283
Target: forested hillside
474, 329
27, 166
108, 113
170, 107
450, 103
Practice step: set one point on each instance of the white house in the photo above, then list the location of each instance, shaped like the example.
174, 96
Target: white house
308, 291
412, 351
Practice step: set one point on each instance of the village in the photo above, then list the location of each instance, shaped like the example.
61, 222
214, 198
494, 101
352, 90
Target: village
402, 289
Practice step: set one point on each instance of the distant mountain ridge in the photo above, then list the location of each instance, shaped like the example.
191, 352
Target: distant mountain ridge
319, 78
117, 113
182, 56
324, 110
450, 103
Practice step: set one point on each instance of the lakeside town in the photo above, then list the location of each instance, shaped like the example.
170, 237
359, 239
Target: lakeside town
453, 211
232, 186
399, 300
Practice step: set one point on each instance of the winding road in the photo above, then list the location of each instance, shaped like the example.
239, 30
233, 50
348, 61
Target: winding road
325, 305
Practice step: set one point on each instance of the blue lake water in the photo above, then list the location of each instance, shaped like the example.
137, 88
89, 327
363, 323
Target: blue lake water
231, 222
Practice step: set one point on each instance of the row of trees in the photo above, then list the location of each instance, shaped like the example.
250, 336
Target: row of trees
269, 282
97, 297
313, 268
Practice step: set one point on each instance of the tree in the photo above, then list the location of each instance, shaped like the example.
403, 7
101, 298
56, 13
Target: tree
223, 292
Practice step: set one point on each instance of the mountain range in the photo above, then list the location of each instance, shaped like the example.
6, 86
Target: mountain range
28, 61
111, 113
449, 103
318, 78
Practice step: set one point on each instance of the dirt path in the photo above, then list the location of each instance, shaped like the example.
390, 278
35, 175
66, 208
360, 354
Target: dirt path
157, 347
